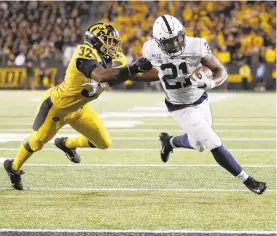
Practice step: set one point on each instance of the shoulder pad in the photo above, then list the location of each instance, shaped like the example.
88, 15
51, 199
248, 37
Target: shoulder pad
151, 49
146, 49
205, 48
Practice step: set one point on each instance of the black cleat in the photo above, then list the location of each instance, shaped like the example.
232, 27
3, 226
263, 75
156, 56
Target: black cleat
14, 176
255, 186
70, 153
166, 147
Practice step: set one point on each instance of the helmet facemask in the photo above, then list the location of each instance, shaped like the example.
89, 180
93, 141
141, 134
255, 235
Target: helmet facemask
105, 39
173, 46
111, 45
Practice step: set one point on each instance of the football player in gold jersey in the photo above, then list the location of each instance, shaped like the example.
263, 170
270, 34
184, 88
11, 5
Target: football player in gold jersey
94, 66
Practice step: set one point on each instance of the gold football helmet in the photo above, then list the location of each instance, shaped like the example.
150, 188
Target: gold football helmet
104, 38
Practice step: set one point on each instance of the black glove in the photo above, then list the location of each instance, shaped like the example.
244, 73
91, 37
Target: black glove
141, 65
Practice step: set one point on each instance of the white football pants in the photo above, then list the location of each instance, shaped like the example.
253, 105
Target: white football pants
196, 121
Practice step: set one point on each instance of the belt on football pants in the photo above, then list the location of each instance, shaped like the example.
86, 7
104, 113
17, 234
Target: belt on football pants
174, 107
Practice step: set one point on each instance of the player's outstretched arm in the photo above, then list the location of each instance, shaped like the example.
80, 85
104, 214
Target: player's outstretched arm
151, 75
219, 72
102, 75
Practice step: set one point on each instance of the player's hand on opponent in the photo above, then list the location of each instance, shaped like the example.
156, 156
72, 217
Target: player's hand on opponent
200, 80
142, 65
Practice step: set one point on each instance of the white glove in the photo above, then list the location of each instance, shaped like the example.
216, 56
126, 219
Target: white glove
202, 82
95, 88
91, 87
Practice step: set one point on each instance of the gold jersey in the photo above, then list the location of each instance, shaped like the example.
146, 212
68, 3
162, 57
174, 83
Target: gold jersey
70, 93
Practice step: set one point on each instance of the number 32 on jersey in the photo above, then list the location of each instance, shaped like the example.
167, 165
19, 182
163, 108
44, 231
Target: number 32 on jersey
169, 80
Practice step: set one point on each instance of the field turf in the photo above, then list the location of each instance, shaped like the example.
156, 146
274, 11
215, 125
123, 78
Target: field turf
128, 187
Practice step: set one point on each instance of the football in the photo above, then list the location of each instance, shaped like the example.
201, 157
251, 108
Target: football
205, 69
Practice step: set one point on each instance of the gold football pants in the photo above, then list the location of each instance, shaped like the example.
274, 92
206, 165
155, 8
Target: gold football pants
49, 119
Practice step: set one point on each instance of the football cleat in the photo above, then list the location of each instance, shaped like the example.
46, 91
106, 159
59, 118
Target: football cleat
70, 153
14, 176
255, 186
166, 147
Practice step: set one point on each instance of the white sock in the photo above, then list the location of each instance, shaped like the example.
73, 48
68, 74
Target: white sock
243, 176
171, 142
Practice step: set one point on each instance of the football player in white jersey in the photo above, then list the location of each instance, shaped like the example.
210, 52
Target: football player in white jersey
174, 57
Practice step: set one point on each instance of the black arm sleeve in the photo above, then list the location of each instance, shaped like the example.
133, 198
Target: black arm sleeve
125, 73
115, 82
86, 66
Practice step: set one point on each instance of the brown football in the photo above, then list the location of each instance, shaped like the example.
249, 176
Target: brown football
205, 69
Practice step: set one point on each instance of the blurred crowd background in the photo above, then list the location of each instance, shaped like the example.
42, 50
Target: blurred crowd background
235, 30
36, 31
40, 33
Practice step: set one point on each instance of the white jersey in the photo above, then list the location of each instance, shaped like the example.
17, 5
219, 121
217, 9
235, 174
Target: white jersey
173, 71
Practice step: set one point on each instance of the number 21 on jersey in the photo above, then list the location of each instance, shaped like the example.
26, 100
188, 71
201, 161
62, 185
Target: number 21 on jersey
169, 80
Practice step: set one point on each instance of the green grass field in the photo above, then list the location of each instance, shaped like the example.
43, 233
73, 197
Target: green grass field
127, 186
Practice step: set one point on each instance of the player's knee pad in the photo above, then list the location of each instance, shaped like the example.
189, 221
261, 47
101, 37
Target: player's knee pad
212, 141
197, 145
37, 143
205, 140
193, 142
34, 145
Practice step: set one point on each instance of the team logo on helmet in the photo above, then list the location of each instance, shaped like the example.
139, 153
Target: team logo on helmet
99, 29
104, 38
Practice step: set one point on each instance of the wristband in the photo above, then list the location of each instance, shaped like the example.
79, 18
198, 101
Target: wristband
128, 71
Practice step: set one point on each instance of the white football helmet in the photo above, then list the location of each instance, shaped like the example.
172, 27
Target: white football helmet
169, 34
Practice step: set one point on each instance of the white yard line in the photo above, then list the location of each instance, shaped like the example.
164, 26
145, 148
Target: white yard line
136, 130
134, 114
149, 108
215, 118
173, 124
257, 118
108, 124
248, 139
145, 150
9, 137
142, 189
131, 231
244, 124
129, 124
157, 139
2, 159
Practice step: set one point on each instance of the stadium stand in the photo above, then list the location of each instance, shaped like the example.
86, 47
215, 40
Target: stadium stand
35, 31
40, 33
235, 30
